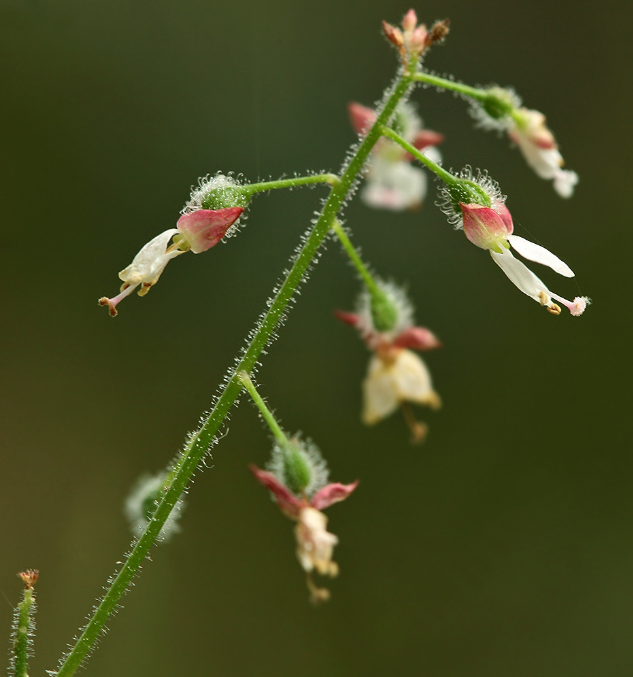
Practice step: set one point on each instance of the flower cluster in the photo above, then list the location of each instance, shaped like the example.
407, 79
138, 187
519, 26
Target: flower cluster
392, 182
396, 375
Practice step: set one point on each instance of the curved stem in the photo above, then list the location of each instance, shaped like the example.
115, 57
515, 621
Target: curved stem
362, 269
200, 442
447, 177
332, 179
267, 414
473, 92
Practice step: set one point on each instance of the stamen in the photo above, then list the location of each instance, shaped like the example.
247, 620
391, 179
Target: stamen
317, 595
553, 308
419, 430
112, 303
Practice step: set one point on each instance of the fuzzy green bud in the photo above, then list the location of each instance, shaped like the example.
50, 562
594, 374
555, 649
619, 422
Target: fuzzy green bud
296, 466
218, 192
499, 103
384, 312
466, 191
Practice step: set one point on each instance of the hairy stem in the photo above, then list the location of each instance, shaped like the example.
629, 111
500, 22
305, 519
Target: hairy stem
364, 273
21, 641
200, 442
472, 92
261, 405
447, 177
332, 179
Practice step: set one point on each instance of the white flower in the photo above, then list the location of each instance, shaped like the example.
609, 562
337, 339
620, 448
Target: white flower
540, 150
146, 268
394, 377
529, 283
394, 185
315, 543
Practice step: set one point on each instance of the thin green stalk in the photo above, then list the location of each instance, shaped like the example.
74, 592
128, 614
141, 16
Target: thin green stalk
23, 625
447, 177
332, 179
473, 92
261, 405
200, 442
366, 276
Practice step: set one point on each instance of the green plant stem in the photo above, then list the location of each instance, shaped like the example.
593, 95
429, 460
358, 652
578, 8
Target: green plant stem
261, 405
332, 179
366, 276
447, 177
200, 442
21, 642
472, 92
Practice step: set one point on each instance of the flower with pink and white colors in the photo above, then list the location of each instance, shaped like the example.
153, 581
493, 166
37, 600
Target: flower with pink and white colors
392, 182
197, 231
492, 228
540, 150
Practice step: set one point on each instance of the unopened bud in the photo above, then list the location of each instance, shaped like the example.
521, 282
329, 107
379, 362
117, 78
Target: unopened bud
393, 34
438, 32
298, 464
384, 312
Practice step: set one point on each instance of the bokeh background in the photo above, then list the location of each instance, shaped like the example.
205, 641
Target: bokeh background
504, 545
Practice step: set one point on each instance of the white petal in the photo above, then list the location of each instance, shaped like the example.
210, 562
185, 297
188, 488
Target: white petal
520, 275
433, 153
394, 185
150, 262
534, 252
545, 162
413, 380
564, 182
380, 397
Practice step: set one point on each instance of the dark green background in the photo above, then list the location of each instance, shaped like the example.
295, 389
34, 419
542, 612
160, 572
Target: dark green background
502, 547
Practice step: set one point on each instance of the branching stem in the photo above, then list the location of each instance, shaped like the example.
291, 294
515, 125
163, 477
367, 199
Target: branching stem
200, 442
261, 405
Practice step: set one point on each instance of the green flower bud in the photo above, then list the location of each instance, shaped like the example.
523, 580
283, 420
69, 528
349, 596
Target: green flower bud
299, 465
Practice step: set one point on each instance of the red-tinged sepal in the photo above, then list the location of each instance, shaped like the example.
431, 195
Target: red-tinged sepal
361, 117
204, 228
332, 493
484, 227
417, 338
285, 499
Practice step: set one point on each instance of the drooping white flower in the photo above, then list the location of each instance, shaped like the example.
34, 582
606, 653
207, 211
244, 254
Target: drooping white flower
540, 150
393, 378
315, 543
391, 181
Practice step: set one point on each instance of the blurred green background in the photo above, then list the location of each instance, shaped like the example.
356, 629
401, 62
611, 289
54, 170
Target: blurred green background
503, 546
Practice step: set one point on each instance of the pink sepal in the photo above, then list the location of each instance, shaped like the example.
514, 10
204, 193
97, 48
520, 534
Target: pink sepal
286, 500
361, 117
332, 493
204, 228
349, 318
482, 225
410, 21
505, 215
417, 338
426, 137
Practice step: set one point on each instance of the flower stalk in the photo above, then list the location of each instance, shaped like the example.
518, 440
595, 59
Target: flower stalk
200, 442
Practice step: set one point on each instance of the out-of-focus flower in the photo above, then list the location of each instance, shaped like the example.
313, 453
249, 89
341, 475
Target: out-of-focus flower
314, 543
142, 502
396, 375
540, 150
392, 182
197, 231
